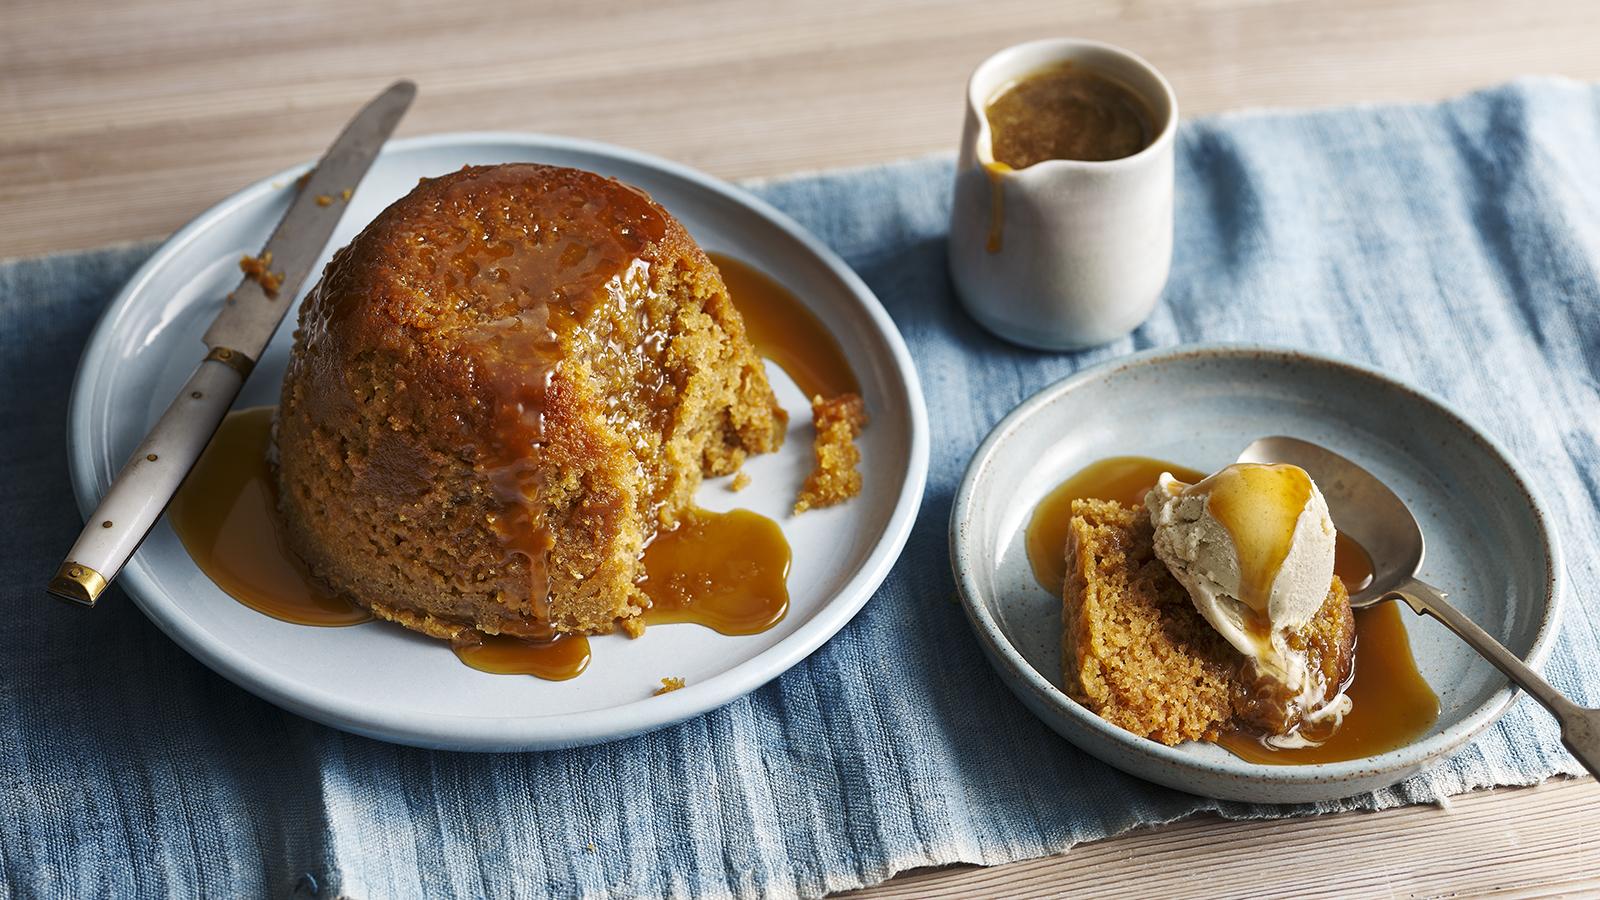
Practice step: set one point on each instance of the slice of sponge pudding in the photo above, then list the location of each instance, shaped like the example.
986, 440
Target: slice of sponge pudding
1137, 652
500, 391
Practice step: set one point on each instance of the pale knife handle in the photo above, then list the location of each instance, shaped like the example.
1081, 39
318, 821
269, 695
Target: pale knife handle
147, 483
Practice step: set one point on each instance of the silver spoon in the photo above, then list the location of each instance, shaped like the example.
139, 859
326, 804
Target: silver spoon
1364, 508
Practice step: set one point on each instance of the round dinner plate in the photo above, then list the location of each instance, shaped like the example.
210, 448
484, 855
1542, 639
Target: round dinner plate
379, 680
1490, 544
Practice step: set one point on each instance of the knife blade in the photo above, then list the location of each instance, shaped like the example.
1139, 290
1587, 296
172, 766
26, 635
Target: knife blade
249, 317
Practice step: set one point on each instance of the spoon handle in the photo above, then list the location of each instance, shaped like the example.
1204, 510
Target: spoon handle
1580, 728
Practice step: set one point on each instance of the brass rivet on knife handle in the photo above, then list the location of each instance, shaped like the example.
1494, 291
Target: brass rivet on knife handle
235, 360
77, 583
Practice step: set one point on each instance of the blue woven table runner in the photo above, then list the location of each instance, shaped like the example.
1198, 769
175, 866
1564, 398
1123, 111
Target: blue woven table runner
1455, 245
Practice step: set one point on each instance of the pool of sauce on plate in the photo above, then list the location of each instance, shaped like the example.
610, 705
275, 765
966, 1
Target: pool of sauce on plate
1391, 704
555, 658
1062, 111
785, 331
1125, 479
727, 571
226, 516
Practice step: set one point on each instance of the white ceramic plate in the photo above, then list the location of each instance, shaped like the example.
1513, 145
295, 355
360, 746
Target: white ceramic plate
379, 680
1490, 544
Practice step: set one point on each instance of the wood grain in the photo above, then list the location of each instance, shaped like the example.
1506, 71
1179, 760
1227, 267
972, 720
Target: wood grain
121, 120
1509, 842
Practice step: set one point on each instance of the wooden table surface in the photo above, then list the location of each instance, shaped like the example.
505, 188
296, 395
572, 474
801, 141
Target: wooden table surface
121, 120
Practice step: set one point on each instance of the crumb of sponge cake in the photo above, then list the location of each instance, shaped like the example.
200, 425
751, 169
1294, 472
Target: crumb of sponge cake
668, 685
834, 479
1136, 652
259, 270
741, 480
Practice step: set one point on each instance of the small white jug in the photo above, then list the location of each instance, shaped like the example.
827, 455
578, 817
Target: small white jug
1063, 254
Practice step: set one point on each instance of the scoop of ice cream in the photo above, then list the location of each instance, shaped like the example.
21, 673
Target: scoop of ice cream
1253, 544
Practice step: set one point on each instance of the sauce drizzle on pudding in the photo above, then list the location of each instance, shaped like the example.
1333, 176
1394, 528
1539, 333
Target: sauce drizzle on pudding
724, 571
1392, 705
1262, 532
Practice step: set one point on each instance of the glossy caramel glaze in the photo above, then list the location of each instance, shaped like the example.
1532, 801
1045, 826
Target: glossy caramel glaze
726, 571
1351, 563
555, 658
1124, 479
1259, 506
1391, 704
226, 516
529, 257
785, 331
500, 390
1067, 112
997, 205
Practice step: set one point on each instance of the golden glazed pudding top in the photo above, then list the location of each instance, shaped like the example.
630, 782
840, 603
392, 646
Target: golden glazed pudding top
479, 281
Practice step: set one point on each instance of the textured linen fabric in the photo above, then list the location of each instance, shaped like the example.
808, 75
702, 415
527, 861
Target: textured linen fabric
1454, 245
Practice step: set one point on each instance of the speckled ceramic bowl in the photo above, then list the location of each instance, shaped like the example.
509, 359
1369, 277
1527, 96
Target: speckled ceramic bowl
1490, 545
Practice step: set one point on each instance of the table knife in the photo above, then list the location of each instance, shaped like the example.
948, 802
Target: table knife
249, 317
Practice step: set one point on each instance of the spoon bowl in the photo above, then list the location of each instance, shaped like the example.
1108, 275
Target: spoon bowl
1362, 507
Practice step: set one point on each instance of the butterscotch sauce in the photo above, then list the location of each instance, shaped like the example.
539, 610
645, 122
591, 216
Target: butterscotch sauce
726, 571
558, 658
1059, 112
786, 332
1351, 563
226, 516
997, 205
541, 281
1066, 112
1391, 704
1259, 506
1125, 479
531, 256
